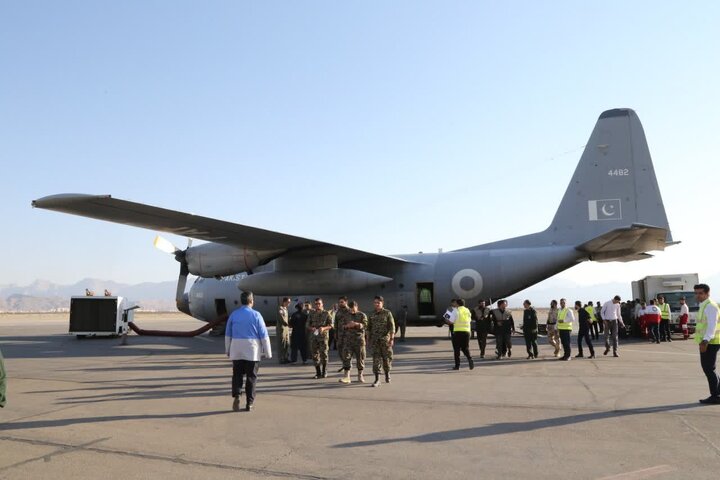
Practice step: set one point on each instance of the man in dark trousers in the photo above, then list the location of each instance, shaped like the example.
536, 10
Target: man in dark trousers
246, 341
298, 340
482, 325
461, 333
530, 330
707, 336
503, 326
584, 326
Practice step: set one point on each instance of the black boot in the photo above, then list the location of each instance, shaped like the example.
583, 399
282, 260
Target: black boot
324, 368
387, 377
317, 372
376, 383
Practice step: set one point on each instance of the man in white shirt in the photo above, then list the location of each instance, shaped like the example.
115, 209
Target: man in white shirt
612, 319
707, 336
684, 317
652, 316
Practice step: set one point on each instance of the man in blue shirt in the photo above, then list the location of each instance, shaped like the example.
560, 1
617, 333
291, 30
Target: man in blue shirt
246, 341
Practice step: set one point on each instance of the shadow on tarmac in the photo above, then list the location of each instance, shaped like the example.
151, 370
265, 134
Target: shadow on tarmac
64, 422
517, 427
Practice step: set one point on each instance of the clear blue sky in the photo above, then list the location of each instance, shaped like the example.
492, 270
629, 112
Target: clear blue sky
369, 124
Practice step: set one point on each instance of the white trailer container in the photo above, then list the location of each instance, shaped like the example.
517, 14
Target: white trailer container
99, 316
672, 287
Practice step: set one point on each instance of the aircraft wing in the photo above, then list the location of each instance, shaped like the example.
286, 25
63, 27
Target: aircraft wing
105, 207
626, 244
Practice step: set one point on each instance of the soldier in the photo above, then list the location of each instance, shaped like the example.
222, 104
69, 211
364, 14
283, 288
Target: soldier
353, 326
319, 324
381, 337
282, 331
482, 325
504, 326
338, 321
332, 334
552, 331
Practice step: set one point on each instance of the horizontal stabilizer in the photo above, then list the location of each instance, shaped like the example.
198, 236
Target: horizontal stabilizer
626, 244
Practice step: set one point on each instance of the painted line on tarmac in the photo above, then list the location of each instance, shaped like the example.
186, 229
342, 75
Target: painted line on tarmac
640, 474
701, 435
66, 447
659, 353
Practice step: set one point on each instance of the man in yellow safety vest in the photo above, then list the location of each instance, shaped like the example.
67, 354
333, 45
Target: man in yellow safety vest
564, 325
707, 336
664, 319
461, 332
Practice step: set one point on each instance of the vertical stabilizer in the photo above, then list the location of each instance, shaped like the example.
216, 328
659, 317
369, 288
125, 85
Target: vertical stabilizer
614, 185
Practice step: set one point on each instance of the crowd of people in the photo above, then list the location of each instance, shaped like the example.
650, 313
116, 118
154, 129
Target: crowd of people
313, 328
592, 320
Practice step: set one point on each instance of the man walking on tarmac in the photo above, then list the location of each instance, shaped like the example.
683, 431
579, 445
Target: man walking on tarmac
246, 341
530, 330
482, 325
504, 326
612, 320
590, 309
707, 336
664, 319
461, 333
353, 326
282, 331
381, 336
341, 316
564, 325
584, 327
319, 323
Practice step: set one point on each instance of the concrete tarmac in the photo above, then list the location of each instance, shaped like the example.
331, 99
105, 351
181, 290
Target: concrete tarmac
160, 408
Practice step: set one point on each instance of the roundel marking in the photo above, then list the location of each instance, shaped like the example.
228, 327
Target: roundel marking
467, 283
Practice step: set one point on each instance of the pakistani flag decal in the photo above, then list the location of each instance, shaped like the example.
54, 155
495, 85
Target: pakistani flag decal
604, 210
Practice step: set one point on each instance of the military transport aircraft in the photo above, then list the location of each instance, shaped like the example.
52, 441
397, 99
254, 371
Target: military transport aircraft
612, 211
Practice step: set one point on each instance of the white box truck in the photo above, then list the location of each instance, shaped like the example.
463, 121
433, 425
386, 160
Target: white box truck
672, 287
92, 316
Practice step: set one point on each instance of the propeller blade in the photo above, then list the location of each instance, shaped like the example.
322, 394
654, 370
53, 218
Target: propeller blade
189, 242
164, 245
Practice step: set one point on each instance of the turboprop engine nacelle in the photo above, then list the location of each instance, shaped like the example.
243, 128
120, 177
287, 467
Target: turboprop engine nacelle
315, 282
215, 260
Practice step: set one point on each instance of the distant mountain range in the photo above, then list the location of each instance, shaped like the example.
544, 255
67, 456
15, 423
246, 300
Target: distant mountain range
45, 296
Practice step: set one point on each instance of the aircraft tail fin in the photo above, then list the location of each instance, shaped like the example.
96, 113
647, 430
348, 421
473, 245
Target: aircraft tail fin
613, 189
612, 210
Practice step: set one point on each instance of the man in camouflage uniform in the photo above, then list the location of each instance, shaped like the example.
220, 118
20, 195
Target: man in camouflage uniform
282, 331
353, 327
338, 321
381, 335
319, 323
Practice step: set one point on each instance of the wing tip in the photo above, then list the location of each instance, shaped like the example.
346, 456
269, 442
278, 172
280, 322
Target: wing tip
50, 201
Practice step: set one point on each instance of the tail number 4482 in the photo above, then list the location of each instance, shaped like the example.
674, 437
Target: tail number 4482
619, 172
